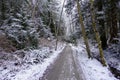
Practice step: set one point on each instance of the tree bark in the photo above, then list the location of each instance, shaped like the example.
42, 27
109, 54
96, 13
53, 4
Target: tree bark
83, 30
97, 34
114, 27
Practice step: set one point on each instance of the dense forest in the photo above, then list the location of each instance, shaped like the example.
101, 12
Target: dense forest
23, 22
33, 29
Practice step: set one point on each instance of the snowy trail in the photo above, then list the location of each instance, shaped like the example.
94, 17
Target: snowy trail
64, 68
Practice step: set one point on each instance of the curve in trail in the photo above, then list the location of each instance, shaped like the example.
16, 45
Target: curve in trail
64, 68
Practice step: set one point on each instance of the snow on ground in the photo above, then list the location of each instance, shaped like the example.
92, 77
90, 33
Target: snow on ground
92, 69
31, 67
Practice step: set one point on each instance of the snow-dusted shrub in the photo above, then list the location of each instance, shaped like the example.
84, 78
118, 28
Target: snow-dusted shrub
37, 56
20, 31
5, 44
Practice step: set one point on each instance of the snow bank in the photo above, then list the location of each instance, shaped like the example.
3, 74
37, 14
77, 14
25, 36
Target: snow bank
30, 70
36, 71
92, 69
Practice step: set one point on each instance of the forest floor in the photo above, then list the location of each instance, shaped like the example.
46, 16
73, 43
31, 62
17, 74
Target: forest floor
65, 68
30, 64
73, 64
92, 68
67, 63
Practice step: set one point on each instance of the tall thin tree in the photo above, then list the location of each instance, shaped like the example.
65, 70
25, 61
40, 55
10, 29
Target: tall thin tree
83, 29
97, 34
59, 25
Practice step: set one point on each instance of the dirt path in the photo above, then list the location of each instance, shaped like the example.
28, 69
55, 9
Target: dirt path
64, 68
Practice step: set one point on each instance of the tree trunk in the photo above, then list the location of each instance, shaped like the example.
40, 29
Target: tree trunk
103, 33
2, 9
113, 28
97, 34
59, 26
83, 30
101, 22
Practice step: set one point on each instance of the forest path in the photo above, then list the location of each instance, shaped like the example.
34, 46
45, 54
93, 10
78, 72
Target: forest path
65, 68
